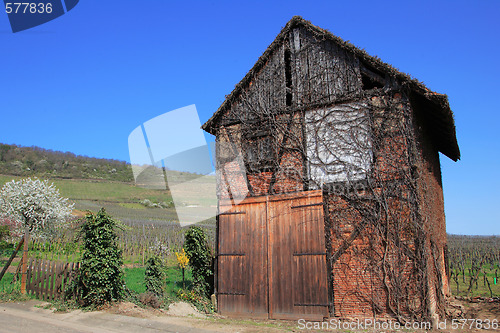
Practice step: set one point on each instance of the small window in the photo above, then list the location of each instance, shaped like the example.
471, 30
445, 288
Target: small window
371, 78
258, 148
369, 83
259, 154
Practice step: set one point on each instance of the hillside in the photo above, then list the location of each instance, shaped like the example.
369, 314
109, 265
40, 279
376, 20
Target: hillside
88, 182
92, 183
35, 161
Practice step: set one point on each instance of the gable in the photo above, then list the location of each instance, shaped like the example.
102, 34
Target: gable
307, 66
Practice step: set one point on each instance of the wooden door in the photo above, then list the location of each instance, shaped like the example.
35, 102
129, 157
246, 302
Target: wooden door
272, 260
242, 260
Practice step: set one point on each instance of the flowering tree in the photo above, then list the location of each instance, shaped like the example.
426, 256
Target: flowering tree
34, 203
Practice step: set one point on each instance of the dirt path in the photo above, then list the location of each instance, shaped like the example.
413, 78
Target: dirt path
31, 317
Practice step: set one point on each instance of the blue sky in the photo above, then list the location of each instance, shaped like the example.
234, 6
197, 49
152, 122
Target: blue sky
84, 81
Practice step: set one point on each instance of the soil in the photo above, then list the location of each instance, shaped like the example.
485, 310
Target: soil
474, 308
183, 317
184, 313
183, 309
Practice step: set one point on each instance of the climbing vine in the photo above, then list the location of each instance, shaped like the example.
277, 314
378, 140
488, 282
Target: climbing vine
313, 115
99, 279
200, 259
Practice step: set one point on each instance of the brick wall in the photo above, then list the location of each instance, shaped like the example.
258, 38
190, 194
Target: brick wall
362, 249
431, 196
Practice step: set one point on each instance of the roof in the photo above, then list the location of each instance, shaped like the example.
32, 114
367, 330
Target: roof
436, 106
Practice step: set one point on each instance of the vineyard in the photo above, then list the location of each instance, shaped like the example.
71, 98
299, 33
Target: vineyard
474, 265
138, 242
149, 227
147, 217
474, 261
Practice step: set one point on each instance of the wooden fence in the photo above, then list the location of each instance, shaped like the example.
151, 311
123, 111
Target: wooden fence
47, 279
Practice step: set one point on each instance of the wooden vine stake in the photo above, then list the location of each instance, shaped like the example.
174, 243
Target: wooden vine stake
11, 258
25, 260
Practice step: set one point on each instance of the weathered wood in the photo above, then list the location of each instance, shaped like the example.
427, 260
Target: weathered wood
13, 255
29, 282
271, 260
47, 279
59, 280
25, 260
53, 281
43, 284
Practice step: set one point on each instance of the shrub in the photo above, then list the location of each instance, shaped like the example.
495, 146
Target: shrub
100, 278
154, 276
200, 260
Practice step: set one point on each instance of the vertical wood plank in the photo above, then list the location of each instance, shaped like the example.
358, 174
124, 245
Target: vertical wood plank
28, 277
52, 279
269, 232
24, 271
57, 285
37, 280
44, 280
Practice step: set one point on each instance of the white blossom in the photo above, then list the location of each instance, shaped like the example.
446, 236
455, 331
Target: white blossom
35, 203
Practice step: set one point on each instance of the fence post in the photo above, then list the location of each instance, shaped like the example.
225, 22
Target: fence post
25, 260
11, 258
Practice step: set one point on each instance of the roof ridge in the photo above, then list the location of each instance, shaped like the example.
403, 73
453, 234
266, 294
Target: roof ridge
412, 83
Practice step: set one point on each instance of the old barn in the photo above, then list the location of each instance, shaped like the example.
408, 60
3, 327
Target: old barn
337, 156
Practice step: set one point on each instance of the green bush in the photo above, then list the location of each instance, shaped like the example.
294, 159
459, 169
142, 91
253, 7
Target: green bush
154, 276
100, 277
200, 260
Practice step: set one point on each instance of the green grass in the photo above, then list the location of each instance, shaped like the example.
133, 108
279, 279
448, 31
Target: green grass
134, 280
481, 290
120, 199
96, 190
11, 291
5, 284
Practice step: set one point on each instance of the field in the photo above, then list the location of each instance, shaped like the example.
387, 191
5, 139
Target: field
148, 229
474, 265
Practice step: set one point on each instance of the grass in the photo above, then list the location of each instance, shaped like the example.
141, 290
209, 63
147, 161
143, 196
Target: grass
482, 286
481, 290
10, 292
120, 199
134, 280
96, 190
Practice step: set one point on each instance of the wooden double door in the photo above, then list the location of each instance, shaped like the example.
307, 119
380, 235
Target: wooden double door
271, 260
